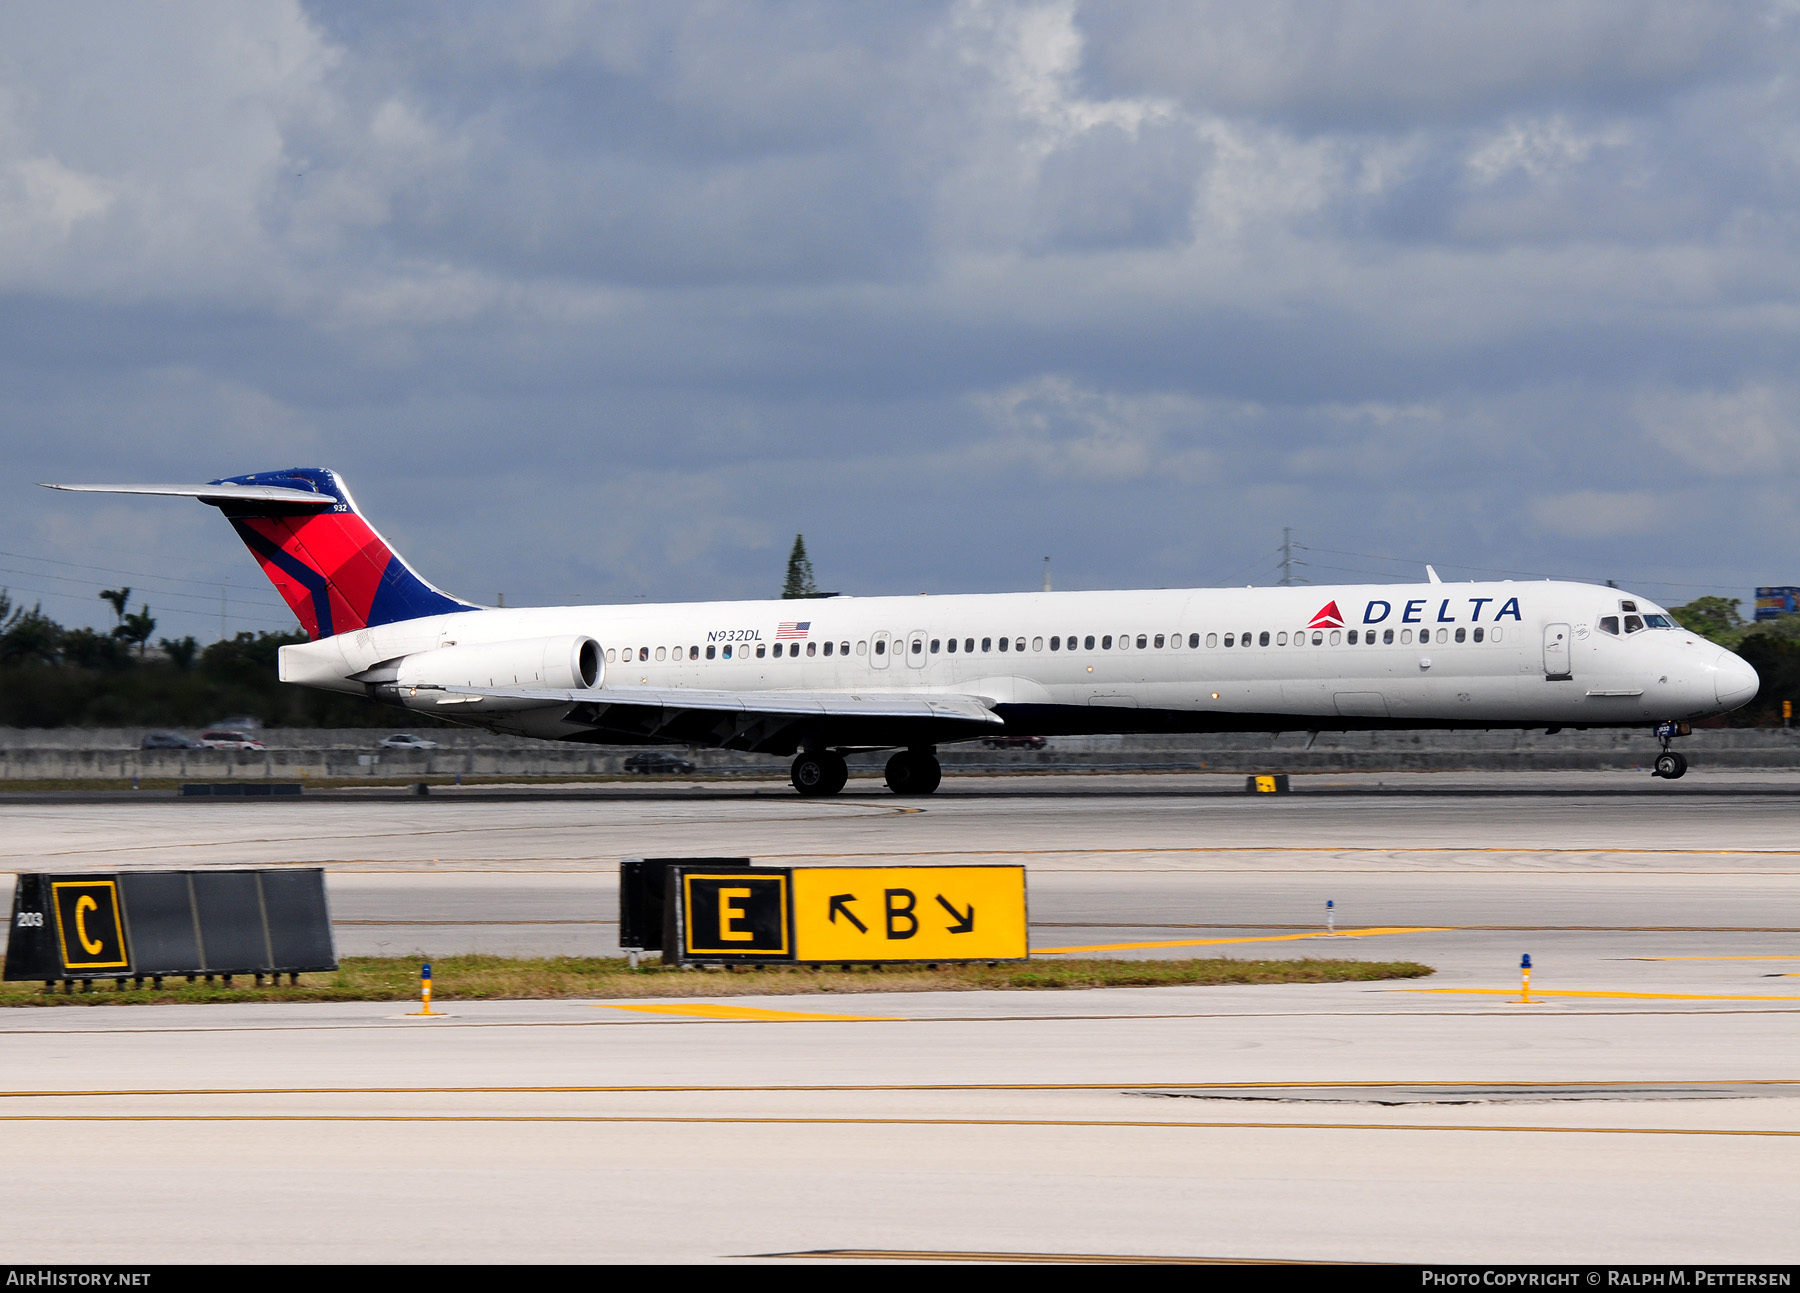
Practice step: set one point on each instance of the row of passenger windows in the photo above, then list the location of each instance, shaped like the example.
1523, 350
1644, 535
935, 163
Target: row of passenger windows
1074, 642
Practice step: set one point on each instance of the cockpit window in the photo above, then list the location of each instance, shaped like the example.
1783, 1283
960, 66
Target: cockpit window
1634, 624
1609, 624
1659, 621
1628, 606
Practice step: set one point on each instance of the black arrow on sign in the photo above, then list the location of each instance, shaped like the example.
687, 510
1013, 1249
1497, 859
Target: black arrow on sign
963, 923
841, 902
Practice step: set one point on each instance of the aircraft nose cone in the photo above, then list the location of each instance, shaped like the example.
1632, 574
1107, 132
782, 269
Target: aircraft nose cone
1734, 681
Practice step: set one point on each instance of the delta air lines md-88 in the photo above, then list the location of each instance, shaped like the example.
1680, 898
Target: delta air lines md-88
816, 678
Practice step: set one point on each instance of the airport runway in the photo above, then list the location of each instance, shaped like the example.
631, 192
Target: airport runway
1647, 1111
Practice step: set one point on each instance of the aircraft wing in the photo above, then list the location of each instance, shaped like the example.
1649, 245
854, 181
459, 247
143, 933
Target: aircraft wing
743, 720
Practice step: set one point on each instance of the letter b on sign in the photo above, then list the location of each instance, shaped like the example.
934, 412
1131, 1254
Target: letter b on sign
901, 923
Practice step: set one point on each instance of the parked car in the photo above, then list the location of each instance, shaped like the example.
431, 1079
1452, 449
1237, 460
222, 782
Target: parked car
169, 741
406, 741
658, 761
220, 738
1014, 742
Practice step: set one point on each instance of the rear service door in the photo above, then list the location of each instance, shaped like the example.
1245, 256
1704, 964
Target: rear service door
1556, 651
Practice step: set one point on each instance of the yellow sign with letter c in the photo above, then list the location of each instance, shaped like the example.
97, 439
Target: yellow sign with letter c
91, 936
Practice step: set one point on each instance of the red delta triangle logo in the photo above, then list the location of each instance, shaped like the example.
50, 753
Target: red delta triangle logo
1329, 617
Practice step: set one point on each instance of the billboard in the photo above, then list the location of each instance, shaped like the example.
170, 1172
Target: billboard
1773, 603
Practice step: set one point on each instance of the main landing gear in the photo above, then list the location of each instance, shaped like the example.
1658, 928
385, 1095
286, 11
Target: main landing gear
914, 772
1670, 764
817, 773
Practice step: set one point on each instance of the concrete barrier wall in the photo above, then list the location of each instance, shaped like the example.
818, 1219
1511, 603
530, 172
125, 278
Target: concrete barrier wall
70, 755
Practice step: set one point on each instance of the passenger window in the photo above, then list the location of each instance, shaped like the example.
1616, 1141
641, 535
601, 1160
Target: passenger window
1493, 635
1318, 639
843, 649
950, 646
880, 647
712, 653
812, 648
1387, 637
1230, 639
1193, 639
934, 646
987, 644
1478, 633
1087, 643
918, 646
1142, 641
1281, 639
1056, 644
1352, 637
1037, 644
1459, 635
968, 644
1336, 637
1159, 641
611, 656
1405, 637
693, 653
1633, 624
727, 652
1106, 643
660, 652
762, 650
1443, 635
1212, 639
1019, 645
828, 648
1124, 641
1005, 643
862, 648
1262, 639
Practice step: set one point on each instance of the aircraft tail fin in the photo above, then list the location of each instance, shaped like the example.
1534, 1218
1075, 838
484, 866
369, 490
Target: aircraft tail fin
330, 566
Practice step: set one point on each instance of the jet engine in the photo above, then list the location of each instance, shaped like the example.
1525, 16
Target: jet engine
574, 662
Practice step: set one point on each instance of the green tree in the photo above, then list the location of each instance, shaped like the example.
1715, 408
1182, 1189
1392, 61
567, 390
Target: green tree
117, 599
799, 572
27, 636
181, 652
135, 630
1715, 618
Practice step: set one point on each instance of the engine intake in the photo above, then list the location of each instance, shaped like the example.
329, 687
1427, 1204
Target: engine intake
575, 662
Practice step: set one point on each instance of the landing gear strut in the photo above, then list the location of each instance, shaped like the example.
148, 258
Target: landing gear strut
914, 772
1670, 764
817, 773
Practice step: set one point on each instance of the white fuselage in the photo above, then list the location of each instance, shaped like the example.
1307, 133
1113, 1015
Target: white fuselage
1425, 655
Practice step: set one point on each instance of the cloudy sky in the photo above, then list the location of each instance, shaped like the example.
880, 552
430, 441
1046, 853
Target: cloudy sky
594, 302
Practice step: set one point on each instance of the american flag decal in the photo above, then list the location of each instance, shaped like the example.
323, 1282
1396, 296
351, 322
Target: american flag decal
792, 630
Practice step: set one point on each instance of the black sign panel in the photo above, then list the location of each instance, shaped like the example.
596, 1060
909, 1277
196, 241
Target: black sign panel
643, 884
90, 934
735, 915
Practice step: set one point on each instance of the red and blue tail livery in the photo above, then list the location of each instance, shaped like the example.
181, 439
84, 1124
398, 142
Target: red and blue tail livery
330, 566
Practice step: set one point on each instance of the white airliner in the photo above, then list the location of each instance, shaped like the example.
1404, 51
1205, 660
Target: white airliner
816, 678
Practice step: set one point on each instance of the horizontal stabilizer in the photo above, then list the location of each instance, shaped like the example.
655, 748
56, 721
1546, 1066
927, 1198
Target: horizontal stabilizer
214, 493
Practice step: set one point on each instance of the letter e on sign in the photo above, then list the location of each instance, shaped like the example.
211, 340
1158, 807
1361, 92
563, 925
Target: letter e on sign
736, 913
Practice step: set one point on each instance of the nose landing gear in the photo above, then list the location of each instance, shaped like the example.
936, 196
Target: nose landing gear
1670, 764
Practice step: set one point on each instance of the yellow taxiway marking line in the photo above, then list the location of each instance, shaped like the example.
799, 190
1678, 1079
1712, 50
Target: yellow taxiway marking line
754, 1014
1266, 938
706, 1120
805, 1089
1566, 992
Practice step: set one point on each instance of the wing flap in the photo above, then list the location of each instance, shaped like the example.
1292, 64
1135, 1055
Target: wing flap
797, 704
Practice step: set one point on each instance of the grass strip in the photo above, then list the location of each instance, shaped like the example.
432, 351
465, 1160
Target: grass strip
500, 978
